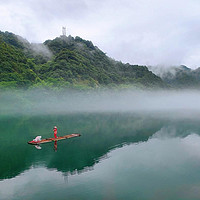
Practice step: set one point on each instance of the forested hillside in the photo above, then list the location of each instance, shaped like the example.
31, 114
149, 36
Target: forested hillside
15, 69
178, 76
66, 62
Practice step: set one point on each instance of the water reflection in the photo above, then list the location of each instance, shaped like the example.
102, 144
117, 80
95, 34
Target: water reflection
38, 147
163, 167
101, 134
55, 146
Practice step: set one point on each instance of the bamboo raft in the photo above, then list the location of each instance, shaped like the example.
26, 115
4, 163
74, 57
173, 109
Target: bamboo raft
54, 139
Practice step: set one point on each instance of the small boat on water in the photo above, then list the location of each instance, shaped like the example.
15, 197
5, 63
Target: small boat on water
54, 139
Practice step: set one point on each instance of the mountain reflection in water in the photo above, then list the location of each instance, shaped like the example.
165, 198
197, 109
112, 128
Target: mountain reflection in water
100, 134
121, 151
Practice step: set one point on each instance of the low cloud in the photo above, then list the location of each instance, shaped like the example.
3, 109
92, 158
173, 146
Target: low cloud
173, 104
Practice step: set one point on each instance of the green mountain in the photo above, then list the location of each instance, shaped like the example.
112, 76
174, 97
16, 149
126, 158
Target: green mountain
178, 76
15, 68
66, 62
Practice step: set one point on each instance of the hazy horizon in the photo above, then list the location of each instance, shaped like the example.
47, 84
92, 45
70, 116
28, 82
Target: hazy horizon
166, 103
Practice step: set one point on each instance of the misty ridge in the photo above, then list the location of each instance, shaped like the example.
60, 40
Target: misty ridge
72, 62
68, 62
171, 103
33, 49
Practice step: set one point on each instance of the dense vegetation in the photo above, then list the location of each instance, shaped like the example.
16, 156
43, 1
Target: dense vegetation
179, 76
65, 62
15, 68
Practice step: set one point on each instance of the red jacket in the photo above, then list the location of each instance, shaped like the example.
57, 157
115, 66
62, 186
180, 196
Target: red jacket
55, 132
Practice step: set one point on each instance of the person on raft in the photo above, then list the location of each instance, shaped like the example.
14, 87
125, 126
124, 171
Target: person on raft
37, 139
55, 131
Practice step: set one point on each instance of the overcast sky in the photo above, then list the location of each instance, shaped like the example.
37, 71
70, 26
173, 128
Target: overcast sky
150, 32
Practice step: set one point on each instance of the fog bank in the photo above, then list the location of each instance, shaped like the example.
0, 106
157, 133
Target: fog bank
38, 102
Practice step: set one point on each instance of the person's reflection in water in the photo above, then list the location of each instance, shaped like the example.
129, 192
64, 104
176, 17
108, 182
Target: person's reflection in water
38, 147
55, 146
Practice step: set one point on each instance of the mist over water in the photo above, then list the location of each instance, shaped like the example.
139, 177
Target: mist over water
134, 144
180, 103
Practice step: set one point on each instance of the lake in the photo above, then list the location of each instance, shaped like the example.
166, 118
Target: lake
135, 145
118, 156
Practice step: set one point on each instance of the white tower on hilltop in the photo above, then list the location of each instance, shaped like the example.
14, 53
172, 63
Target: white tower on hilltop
64, 31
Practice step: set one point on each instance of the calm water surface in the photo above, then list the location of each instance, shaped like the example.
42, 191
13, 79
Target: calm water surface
118, 156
